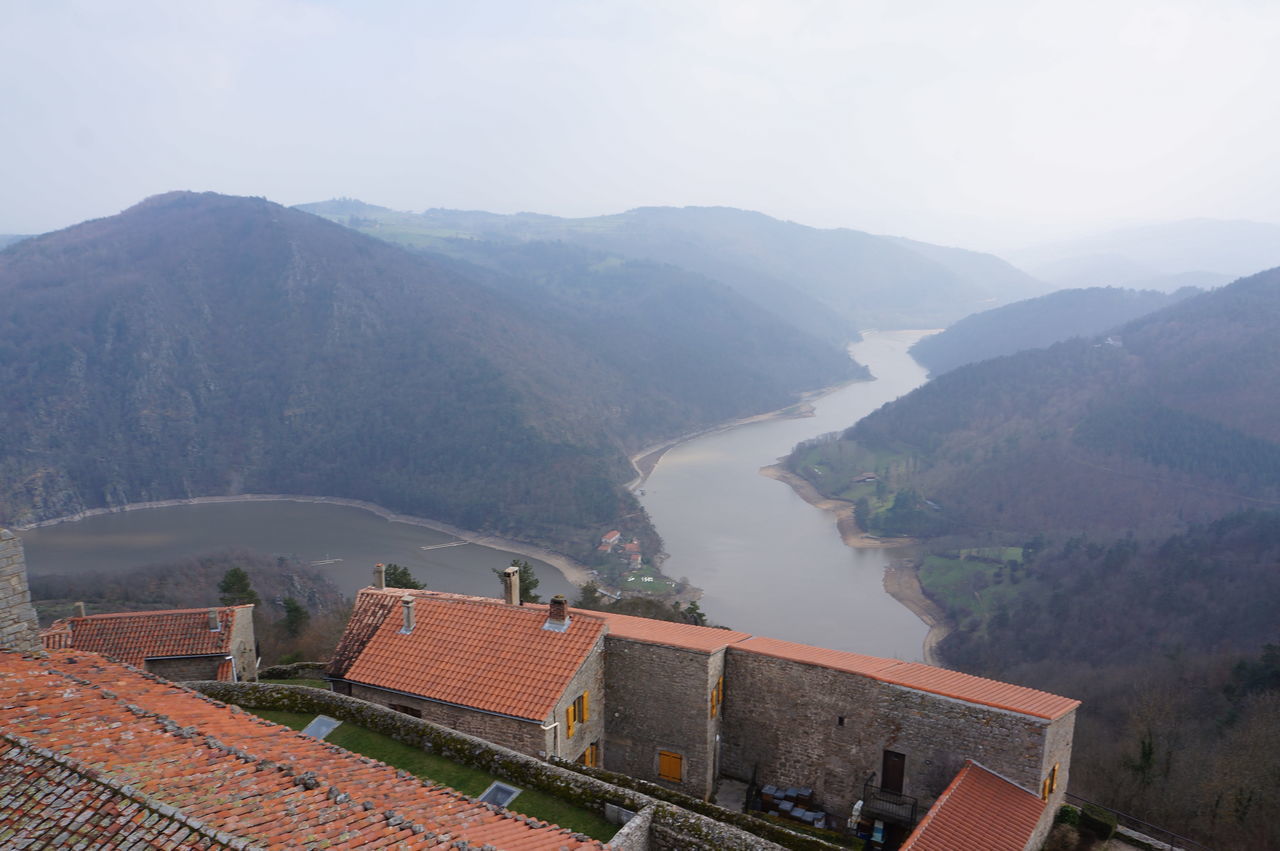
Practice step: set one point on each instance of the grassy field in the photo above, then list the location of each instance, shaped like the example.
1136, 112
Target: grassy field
967, 587
648, 580
467, 780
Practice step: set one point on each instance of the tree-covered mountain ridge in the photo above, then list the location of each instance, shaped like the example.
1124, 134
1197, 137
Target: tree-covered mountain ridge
1170, 419
200, 344
826, 282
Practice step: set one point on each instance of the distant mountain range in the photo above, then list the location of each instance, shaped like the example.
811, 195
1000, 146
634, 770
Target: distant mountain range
1195, 252
1038, 322
1170, 419
828, 283
201, 344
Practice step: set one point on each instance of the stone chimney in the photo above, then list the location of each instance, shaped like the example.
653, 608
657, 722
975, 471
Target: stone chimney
511, 585
214, 625
80, 611
406, 606
557, 614
379, 575
18, 627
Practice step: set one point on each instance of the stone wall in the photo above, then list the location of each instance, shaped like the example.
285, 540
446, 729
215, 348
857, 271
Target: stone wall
660, 700
19, 629
589, 679
243, 644
705, 826
180, 670
527, 737
794, 724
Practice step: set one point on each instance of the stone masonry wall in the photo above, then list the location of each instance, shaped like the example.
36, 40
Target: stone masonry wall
183, 670
590, 679
18, 627
659, 699
243, 644
782, 725
527, 737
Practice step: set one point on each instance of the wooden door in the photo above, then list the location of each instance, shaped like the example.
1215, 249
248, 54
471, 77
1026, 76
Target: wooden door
892, 771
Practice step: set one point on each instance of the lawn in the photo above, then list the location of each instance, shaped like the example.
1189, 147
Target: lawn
966, 587
648, 580
467, 780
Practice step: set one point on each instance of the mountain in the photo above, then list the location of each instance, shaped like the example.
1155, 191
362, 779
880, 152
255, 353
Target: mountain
828, 283
7, 239
200, 344
1037, 322
1167, 256
1173, 419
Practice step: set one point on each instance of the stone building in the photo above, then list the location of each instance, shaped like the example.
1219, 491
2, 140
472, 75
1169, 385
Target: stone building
529, 678
18, 627
684, 706
177, 644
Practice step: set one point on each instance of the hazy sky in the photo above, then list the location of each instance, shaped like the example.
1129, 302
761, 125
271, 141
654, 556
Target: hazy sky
980, 123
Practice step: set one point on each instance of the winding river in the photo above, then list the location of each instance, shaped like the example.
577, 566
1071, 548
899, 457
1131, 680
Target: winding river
769, 562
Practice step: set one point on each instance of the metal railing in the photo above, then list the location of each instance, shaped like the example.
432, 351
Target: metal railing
1175, 841
888, 805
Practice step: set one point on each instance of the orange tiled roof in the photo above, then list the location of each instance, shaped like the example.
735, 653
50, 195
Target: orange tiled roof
705, 638
472, 651
131, 753
919, 676
133, 637
978, 811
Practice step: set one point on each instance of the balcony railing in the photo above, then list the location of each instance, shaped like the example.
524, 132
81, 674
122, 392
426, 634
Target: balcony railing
888, 805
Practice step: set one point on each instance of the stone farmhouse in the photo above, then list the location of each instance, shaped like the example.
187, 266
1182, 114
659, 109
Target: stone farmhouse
177, 644
683, 706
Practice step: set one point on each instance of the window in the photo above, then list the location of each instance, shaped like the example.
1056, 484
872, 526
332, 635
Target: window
407, 710
577, 712
591, 756
499, 793
717, 696
670, 766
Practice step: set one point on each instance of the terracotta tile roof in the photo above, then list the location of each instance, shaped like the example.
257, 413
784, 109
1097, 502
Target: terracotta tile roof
979, 811
917, 675
370, 609
131, 753
133, 637
704, 638
472, 651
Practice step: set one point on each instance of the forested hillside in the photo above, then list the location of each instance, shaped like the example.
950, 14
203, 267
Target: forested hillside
1036, 323
203, 344
1172, 419
827, 282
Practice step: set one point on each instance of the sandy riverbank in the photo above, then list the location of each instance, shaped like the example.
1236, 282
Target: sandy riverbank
573, 571
901, 580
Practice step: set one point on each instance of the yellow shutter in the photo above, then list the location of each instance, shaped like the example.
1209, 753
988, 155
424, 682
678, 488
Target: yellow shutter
568, 721
586, 706
670, 766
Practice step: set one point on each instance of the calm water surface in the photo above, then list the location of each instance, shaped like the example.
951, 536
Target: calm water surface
770, 563
310, 532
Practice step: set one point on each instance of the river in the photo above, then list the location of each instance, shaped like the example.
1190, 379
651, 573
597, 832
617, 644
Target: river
768, 562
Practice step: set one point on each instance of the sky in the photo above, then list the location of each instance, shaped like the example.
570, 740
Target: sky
985, 124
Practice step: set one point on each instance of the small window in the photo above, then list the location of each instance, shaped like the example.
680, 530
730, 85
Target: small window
717, 696
411, 711
670, 766
577, 712
499, 793
839, 720
591, 756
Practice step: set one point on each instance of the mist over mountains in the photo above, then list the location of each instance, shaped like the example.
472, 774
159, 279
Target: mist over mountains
828, 283
199, 344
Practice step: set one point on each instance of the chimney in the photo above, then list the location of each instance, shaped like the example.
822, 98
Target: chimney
557, 614
80, 612
379, 575
406, 605
214, 626
511, 585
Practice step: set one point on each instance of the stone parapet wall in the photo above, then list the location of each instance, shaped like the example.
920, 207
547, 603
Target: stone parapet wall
671, 826
296, 671
19, 629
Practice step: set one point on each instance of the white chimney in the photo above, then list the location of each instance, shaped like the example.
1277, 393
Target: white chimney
406, 605
511, 585
379, 575
214, 626
80, 612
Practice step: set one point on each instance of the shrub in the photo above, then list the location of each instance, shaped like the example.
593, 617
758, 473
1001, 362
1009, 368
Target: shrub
1067, 814
1099, 822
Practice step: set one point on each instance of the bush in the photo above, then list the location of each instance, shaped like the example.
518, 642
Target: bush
1067, 815
1101, 823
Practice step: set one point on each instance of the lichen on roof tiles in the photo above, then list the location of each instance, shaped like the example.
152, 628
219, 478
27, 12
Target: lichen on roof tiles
133, 637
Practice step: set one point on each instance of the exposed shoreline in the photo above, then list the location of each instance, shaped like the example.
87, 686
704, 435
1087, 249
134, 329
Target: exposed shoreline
901, 578
574, 572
